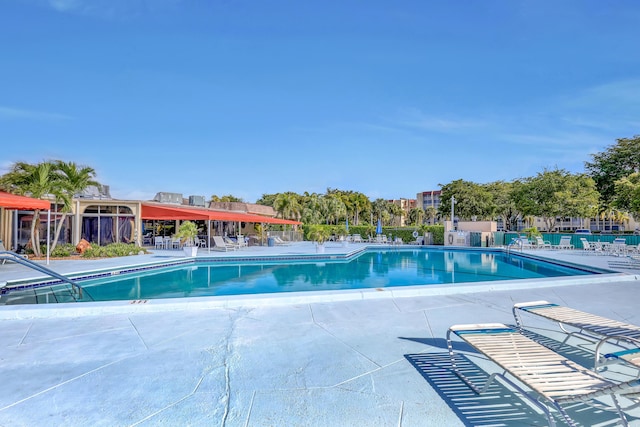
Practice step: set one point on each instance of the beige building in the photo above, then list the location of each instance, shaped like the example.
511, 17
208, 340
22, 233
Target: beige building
102, 221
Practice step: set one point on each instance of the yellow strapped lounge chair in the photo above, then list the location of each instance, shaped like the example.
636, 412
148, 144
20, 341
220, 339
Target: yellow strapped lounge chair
553, 379
590, 327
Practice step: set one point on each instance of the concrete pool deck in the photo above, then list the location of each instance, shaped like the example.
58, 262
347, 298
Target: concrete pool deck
355, 362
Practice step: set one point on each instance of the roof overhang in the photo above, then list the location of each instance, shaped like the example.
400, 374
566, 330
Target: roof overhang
13, 201
162, 211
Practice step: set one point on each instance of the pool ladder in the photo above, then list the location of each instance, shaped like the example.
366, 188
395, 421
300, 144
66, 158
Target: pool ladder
19, 259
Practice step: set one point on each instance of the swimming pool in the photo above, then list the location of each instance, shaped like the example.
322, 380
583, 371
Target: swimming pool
372, 268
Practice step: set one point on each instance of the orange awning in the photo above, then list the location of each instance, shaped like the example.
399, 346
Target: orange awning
13, 201
160, 211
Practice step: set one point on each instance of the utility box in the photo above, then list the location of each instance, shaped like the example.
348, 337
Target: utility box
196, 201
168, 198
457, 238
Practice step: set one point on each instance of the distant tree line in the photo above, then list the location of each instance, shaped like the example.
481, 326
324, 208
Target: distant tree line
609, 189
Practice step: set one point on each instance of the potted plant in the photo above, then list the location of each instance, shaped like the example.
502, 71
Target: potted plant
319, 235
341, 232
187, 232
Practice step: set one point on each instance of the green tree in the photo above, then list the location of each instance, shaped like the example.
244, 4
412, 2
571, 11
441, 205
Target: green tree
287, 205
380, 209
226, 198
395, 211
431, 213
616, 162
504, 202
627, 194
267, 200
72, 179
334, 209
556, 193
472, 200
416, 216
313, 209
361, 203
37, 181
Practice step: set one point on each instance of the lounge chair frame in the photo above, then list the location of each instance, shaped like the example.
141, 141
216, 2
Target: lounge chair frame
551, 380
589, 327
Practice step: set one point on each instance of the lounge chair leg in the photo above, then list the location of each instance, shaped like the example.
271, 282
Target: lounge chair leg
492, 377
623, 417
566, 416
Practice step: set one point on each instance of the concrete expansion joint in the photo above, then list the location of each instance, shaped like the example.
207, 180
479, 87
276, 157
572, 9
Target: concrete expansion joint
138, 334
170, 405
339, 340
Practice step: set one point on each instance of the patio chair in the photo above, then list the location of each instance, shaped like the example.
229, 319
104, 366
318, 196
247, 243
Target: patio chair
591, 247
552, 380
618, 247
10, 254
279, 241
221, 245
231, 243
158, 242
521, 242
542, 244
565, 243
590, 327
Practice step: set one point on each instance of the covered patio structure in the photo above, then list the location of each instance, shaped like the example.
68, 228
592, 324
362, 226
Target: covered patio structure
14, 203
157, 211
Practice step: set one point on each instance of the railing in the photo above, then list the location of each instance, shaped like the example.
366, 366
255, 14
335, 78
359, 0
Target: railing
12, 256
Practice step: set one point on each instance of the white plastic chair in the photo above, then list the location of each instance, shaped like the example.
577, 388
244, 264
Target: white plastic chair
158, 242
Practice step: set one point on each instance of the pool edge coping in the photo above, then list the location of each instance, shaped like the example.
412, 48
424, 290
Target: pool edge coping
36, 311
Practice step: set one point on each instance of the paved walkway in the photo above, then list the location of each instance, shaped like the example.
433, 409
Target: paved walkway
373, 361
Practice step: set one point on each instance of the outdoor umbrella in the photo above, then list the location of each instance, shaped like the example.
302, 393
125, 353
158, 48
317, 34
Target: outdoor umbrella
379, 227
347, 225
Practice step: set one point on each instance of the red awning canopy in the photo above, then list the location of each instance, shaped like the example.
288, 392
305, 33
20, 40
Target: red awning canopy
159, 211
13, 201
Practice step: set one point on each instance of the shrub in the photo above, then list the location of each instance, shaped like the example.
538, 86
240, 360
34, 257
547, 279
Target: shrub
63, 250
113, 250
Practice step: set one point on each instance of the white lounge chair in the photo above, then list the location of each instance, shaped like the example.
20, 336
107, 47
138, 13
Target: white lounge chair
231, 243
618, 247
591, 247
551, 379
565, 243
279, 241
590, 327
542, 244
201, 243
521, 242
221, 245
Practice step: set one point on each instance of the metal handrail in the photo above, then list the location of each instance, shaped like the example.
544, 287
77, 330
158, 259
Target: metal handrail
12, 256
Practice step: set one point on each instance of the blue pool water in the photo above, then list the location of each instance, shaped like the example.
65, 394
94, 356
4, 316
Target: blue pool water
369, 269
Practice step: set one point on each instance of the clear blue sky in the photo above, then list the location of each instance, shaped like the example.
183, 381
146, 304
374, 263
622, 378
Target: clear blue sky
205, 97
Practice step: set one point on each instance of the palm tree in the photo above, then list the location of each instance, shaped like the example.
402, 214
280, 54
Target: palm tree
314, 209
287, 205
72, 179
335, 209
395, 211
431, 212
380, 209
360, 203
416, 216
36, 181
